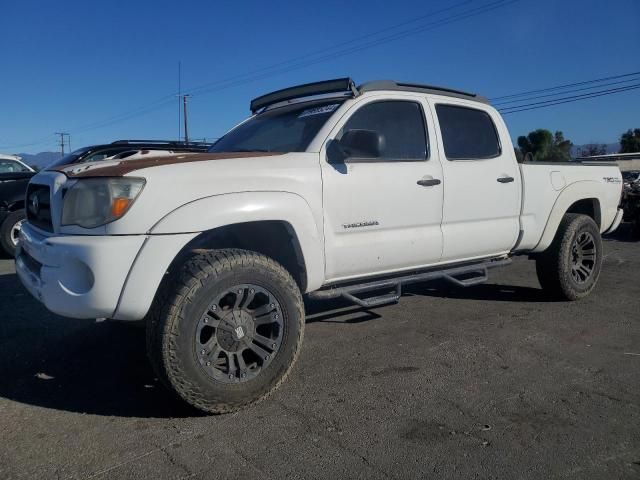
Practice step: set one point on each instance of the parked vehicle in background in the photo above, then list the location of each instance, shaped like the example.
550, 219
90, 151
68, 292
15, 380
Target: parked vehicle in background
15, 175
328, 189
631, 199
124, 148
13, 164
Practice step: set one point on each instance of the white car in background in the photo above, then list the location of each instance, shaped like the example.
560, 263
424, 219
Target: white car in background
12, 164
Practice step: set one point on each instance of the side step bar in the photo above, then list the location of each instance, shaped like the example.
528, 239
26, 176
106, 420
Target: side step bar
462, 276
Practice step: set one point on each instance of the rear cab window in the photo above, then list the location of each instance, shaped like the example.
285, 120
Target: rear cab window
467, 133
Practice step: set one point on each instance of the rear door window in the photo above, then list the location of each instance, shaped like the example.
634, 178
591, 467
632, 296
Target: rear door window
467, 133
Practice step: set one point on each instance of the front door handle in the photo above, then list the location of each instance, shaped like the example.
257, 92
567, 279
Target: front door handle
429, 182
505, 179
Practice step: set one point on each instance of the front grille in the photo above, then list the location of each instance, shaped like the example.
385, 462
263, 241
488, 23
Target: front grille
39, 206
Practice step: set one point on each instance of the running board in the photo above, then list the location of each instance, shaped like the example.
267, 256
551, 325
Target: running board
463, 276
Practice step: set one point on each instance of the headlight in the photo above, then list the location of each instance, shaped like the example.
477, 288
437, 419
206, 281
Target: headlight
93, 202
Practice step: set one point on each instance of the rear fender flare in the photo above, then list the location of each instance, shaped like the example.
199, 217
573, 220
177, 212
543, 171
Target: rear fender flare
571, 194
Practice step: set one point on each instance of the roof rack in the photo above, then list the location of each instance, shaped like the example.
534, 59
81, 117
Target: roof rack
417, 87
338, 85
347, 86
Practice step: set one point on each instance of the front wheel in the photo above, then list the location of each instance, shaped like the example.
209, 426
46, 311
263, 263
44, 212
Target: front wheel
570, 267
10, 231
226, 329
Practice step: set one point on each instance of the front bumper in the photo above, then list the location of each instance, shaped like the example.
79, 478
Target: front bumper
78, 276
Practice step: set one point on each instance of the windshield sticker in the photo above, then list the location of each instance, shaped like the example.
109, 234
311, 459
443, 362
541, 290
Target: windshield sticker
319, 110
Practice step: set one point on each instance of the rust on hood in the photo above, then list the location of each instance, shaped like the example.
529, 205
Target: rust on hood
119, 168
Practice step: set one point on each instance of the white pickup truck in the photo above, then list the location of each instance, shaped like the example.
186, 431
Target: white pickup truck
329, 190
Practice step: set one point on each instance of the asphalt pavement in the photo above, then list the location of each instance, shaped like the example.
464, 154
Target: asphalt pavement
493, 381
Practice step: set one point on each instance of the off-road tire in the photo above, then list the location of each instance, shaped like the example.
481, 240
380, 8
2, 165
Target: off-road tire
6, 231
554, 265
178, 307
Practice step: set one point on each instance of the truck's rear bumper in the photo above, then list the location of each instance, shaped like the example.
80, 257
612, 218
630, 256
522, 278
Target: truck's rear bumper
76, 276
616, 221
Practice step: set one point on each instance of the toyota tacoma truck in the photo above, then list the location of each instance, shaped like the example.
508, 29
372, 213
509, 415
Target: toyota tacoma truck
328, 190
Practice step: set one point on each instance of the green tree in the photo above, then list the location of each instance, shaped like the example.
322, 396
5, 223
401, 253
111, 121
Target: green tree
546, 146
592, 150
630, 141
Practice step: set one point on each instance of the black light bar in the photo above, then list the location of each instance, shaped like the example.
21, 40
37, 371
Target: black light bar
308, 89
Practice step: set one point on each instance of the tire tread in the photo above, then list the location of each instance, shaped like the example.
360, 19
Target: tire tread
164, 319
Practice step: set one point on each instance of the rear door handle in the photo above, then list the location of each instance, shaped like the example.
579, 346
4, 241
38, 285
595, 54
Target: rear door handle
505, 179
429, 182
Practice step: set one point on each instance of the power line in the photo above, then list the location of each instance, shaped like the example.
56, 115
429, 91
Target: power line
338, 46
48, 139
389, 38
251, 77
570, 99
525, 99
318, 57
558, 87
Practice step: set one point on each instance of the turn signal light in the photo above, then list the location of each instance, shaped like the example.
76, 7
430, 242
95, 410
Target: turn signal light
119, 206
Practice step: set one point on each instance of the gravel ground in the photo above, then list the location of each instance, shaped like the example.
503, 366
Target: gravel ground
493, 381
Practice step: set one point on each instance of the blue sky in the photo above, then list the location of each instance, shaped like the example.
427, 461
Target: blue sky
79, 66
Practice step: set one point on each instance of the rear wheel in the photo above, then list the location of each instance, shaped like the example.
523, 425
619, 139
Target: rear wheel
226, 330
10, 231
570, 267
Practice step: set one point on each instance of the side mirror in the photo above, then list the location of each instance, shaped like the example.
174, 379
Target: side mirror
528, 157
361, 144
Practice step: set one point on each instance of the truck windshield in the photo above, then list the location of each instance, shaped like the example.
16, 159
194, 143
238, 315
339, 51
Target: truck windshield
286, 129
70, 157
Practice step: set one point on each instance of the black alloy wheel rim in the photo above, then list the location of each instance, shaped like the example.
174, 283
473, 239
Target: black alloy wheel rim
583, 257
239, 334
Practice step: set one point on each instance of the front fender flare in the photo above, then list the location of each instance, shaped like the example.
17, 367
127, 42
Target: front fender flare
228, 209
171, 233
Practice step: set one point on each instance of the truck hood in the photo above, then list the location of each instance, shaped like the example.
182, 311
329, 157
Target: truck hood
121, 167
175, 180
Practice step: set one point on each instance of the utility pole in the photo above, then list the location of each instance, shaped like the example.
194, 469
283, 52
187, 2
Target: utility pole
179, 95
184, 105
62, 135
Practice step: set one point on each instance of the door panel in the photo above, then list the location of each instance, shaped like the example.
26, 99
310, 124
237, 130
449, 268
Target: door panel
377, 217
481, 214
